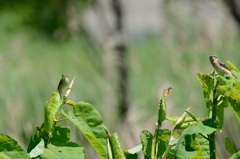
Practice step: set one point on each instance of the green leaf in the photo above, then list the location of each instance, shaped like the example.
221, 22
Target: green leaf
50, 111
130, 155
233, 96
36, 137
207, 84
11, 149
146, 140
193, 145
118, 152
62, 152
235, 156
186, 122
231, 66
162, 140
161, 110
135, 149
37, 150
220, 115
61, 136
229, 146
85, 117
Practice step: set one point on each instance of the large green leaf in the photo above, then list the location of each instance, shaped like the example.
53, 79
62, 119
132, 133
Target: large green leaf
207, 84
86, 118
60, 137
193, 145
62, 152
11, 149
233, 96
231, 66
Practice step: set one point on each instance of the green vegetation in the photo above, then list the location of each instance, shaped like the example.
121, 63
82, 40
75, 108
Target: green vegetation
32, 66
198, 140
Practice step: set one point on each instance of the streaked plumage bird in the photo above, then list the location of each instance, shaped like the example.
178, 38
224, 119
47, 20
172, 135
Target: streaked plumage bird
63, 83
220, 66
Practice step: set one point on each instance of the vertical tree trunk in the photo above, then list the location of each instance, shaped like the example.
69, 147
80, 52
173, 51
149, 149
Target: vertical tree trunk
121, 51
234, 8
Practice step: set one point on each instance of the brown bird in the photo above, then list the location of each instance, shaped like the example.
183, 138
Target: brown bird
63, 83
220, 66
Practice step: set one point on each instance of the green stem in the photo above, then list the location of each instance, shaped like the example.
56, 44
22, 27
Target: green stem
212, 136
153, 151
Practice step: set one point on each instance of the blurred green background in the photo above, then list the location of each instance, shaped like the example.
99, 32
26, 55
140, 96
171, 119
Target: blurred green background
167, 44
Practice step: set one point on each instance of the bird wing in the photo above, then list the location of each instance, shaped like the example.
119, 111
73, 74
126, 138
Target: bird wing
223, 65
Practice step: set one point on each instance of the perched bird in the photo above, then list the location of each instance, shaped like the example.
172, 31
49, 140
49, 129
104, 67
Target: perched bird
220, 66
63, 83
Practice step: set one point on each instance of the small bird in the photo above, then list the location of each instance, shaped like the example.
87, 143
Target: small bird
220, 66
63, 83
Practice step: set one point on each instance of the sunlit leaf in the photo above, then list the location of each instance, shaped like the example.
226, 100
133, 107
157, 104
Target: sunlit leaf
206, 80
231, 66
135, 149
235, 155
86, 118
233, 96
62, 152
11, 149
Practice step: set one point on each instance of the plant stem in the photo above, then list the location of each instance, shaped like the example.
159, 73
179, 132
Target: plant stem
153, 151
212, 136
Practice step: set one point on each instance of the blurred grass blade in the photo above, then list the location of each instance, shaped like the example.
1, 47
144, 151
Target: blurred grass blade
86, 118
10, 148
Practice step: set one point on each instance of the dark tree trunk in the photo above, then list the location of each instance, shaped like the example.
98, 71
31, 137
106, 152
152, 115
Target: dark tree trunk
121, 51
234, 8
